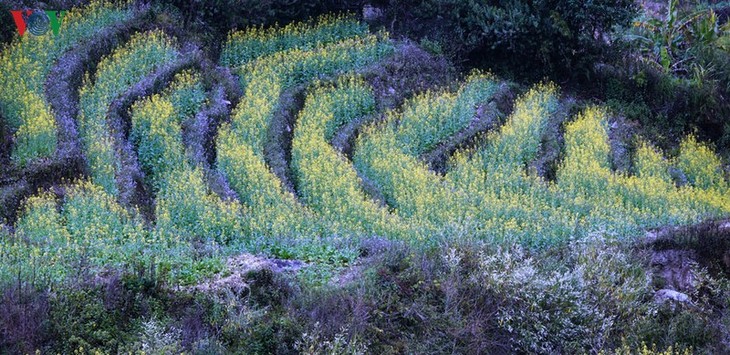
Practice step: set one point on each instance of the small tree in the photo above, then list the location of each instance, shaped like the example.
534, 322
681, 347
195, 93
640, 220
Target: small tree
546, 36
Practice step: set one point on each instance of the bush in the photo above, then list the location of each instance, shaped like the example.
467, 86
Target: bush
7, 33
556, 36
672, 74
468, 298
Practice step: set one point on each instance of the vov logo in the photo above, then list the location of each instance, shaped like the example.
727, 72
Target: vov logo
37, 21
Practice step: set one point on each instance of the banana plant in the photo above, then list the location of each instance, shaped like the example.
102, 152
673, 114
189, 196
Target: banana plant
668, 43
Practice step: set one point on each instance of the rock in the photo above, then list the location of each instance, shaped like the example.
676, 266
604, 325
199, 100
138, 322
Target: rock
676, 268
723, 226
239, 271
680, 179
650, 237
371, 13
665, 295
248, 262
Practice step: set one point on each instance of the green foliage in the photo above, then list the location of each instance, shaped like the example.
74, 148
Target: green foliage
676, 80
672, 43
79, 320
555, 36
409, 187
185, 208
388, 154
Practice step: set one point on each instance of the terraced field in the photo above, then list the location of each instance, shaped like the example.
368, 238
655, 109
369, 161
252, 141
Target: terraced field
156, 155
325, 187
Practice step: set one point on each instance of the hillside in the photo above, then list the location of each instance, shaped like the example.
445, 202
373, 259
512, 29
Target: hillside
326, 186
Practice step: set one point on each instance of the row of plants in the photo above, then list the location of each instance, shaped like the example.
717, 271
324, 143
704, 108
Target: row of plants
24, 66
588, 196
518, 141
241, 143
326, 181
140, 56
56, 240
81, 229
185, 209
249, 44
295, 66
648, 198
86, 231
429, 118
387, 153
490, 190
495, 175
156, 127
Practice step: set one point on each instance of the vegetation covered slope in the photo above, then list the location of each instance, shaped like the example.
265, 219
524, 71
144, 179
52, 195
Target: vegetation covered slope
144, 108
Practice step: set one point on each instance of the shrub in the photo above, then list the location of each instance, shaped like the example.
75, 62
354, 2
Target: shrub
155, 339
472, 298
672, 73
674, 42
558, 37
